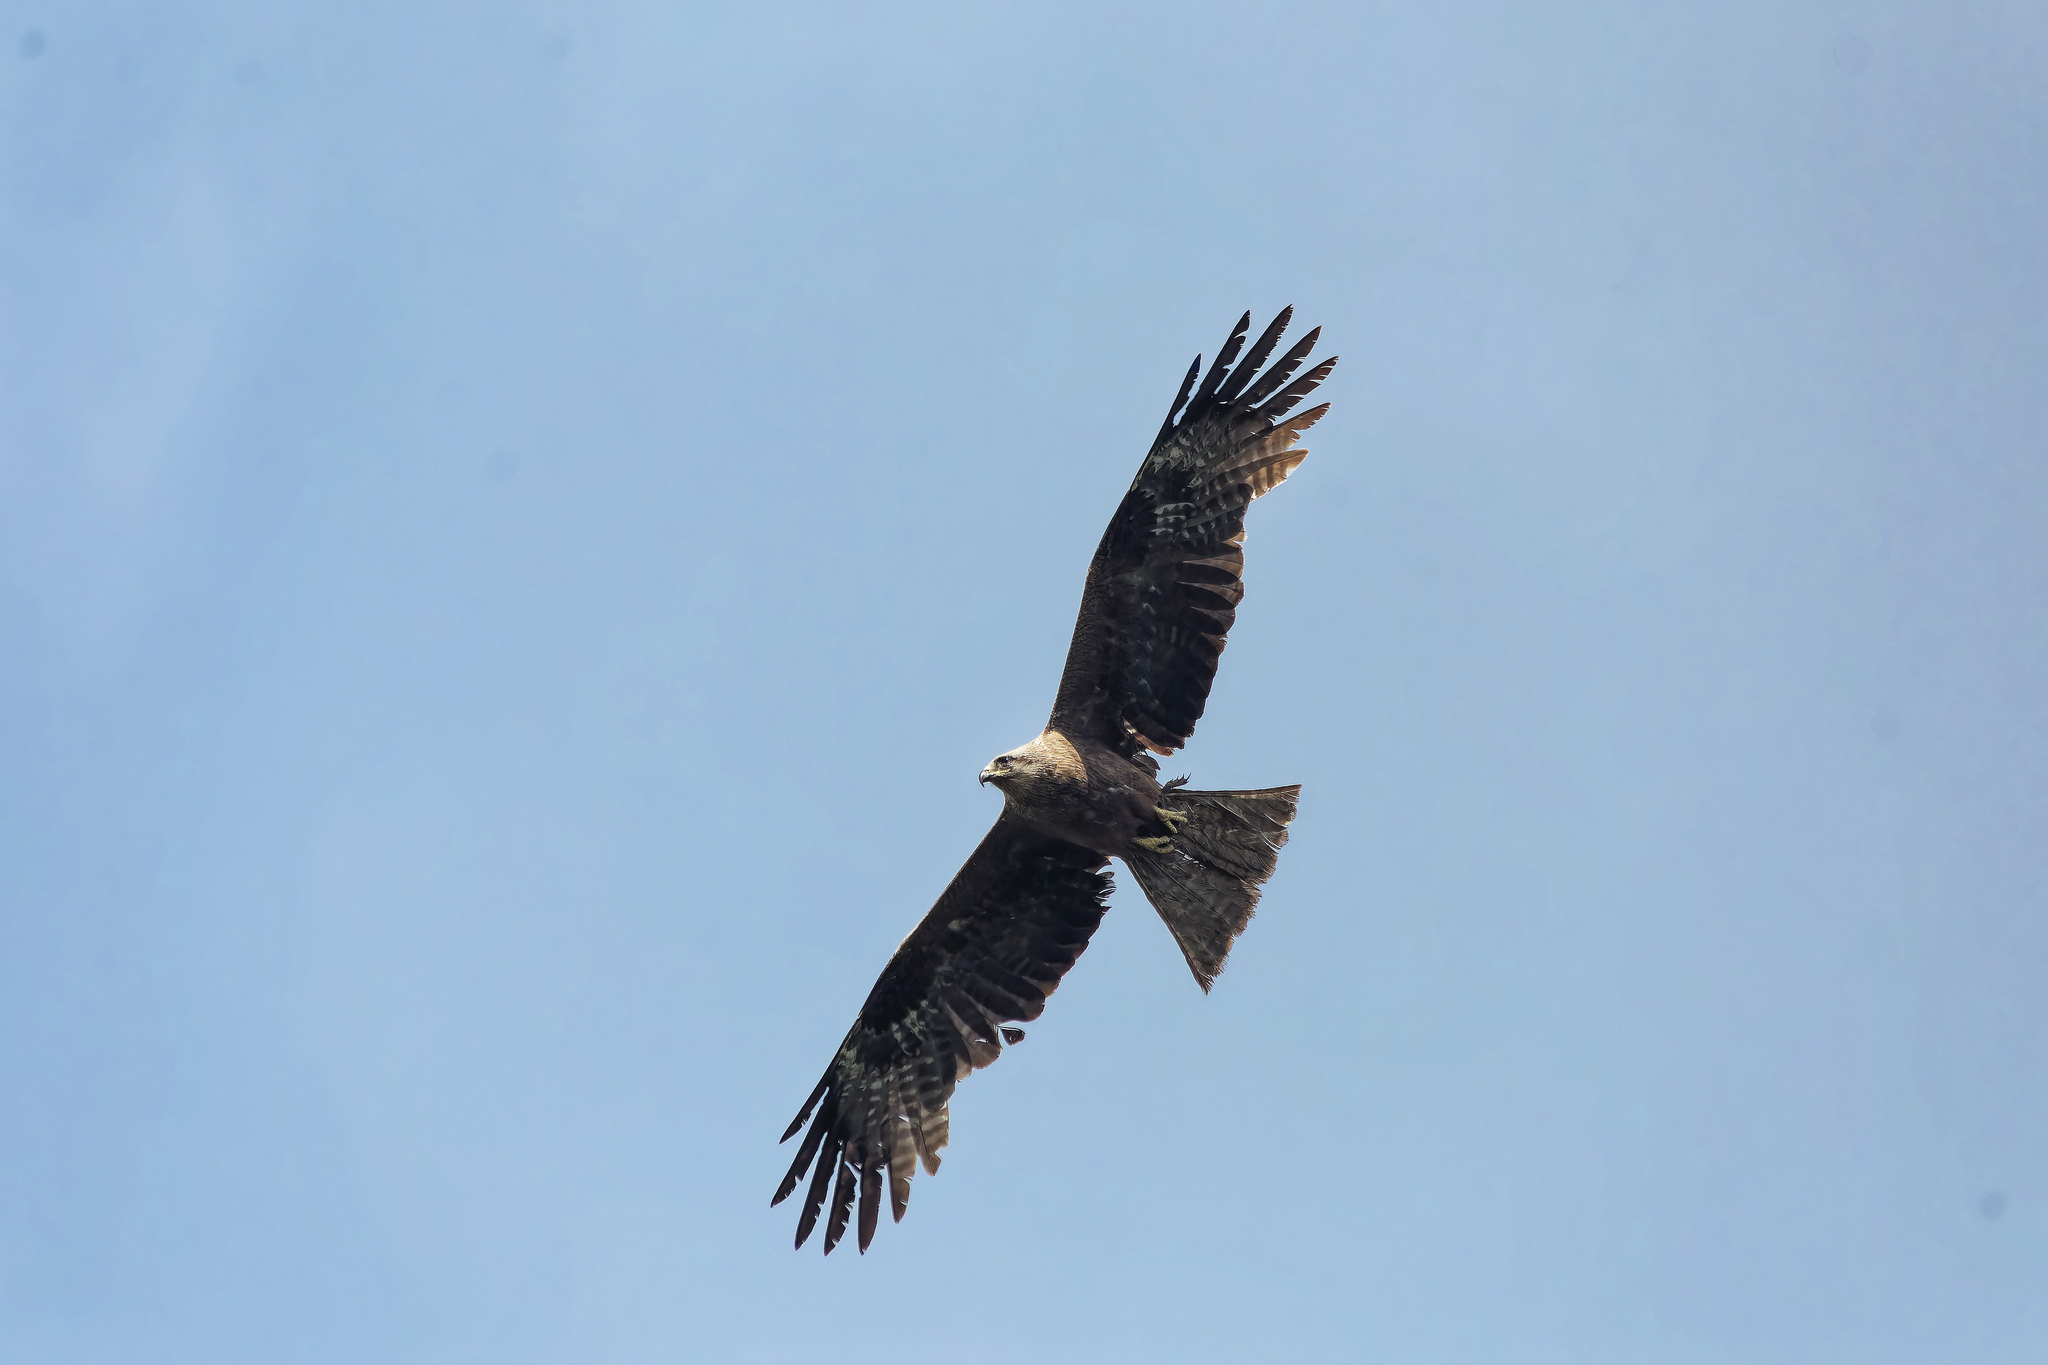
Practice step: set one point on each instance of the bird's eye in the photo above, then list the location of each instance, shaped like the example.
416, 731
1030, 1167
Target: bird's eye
1003, 762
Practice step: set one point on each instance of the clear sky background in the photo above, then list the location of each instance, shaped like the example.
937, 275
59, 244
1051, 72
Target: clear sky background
520, 522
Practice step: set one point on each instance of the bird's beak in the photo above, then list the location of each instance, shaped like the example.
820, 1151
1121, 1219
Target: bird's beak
987, 773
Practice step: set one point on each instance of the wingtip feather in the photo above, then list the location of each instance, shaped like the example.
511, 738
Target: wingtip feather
804, 1114
1248, 369
814, 1200
1220, 370
870, 1199
843, 1188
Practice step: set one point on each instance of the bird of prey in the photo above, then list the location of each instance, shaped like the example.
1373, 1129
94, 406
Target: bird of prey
1161, 594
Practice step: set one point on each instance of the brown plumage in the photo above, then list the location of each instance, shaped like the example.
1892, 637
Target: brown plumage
1162, 592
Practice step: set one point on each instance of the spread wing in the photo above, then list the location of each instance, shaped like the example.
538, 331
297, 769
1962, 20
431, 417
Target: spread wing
989, 953
1164, 585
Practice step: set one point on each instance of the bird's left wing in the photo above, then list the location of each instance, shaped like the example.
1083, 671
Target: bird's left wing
1012, 922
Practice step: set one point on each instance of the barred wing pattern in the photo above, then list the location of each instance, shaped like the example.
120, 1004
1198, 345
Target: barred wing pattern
1165, 582
1012, 922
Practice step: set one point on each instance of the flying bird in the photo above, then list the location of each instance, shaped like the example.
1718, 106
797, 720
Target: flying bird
1161, 594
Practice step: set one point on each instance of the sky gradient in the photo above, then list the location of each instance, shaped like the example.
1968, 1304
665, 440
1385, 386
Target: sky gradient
519, 524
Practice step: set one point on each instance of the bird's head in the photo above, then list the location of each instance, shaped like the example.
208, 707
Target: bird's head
1006, 768
1042, 766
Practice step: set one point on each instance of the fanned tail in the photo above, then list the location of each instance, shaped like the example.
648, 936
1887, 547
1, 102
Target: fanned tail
1208, 885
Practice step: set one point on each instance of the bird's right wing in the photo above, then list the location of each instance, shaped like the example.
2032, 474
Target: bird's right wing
1165, 582
995, 946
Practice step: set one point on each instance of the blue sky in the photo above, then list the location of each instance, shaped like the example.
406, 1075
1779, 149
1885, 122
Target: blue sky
520, 522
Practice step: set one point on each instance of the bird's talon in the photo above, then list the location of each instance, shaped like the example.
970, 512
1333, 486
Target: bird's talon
1155, 845
1172, 819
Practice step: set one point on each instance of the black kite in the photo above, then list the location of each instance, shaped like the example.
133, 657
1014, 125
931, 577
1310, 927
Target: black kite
1162, 592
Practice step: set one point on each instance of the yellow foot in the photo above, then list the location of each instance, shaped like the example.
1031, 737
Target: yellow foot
1155, 845
1172, 819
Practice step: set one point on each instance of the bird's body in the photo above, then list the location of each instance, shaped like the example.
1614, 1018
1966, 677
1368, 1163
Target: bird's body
1081, 791
1162, 592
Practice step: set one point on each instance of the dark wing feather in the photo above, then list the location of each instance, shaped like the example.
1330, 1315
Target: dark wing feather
995, 946
1164, 585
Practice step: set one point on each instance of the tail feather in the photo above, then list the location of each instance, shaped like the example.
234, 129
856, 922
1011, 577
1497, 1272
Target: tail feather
1207, 887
